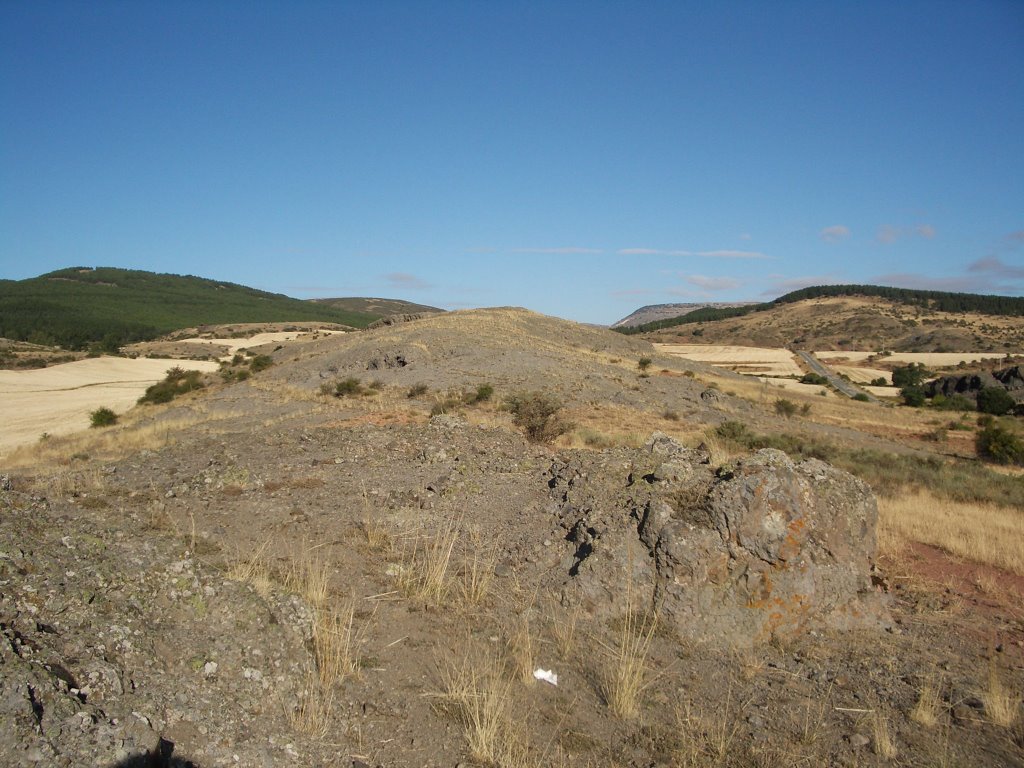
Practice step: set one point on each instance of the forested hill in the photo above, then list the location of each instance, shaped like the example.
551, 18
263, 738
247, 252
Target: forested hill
80, 306
939, 301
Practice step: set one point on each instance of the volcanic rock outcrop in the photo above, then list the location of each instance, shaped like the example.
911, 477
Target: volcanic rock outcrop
765, 548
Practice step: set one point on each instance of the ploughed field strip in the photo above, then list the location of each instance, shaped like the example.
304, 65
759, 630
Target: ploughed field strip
310, 579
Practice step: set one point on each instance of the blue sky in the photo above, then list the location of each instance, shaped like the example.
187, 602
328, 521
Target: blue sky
577, 158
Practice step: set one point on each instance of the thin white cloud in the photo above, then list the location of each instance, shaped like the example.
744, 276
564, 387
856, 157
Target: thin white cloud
569, 251
722, 254
781, 284
887, 234
835, 233
1016, 237
746, 236
713, 283
627, 292
993, 265
406, 281
958, 284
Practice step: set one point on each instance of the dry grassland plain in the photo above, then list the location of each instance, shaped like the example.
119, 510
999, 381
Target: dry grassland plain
58, 400
233, 345
767, 361
936, 359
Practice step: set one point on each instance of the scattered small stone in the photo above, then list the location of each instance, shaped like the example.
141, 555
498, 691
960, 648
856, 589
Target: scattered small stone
858, 740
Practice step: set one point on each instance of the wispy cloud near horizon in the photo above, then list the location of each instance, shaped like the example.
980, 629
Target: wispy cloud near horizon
722, 254
713, 283
835, 233
567, 251
406, 281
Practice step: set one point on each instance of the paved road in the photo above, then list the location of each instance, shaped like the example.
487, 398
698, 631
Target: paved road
844, 386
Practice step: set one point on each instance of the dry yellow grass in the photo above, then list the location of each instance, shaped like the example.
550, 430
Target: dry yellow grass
982, 533
1002, 703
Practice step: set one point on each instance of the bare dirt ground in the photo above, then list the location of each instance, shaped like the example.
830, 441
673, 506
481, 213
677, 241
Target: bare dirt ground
58, 400
251, 583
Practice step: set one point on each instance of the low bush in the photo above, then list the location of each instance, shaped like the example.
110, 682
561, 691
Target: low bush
998, 444
881, 381
536, 413
995, 400
954, 402
860, 397
814, 378
644, 363
350, 387
417, 390
483, 393
785, 408
260, 363
177, 382
102, 417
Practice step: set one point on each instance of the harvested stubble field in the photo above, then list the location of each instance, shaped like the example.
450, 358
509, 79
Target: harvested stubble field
776, 362
283, 576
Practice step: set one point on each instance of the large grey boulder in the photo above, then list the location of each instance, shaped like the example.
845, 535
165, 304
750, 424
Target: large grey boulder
768, 548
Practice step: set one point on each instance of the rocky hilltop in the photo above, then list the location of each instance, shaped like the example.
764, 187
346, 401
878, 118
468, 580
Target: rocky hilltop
356, 557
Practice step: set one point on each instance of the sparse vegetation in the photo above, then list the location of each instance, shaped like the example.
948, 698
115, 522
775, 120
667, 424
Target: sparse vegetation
995, 401
349, 387
644, 363
417, 390
785, 407
999, 444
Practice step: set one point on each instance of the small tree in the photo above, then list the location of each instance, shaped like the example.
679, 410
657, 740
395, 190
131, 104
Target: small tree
644, 363
995, 400
102, 417
913, 395
912, 375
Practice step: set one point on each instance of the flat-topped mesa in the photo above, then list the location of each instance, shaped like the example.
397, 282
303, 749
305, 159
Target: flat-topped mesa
766, 548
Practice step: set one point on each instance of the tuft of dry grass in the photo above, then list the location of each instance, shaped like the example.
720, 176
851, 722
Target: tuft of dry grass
929, 704
477, 570
563, 631
479, 696
424, 575
335, 644
1002, 703
254, 571
627, 673
311, 715
307, 576
881, 739
983, 533
521, 652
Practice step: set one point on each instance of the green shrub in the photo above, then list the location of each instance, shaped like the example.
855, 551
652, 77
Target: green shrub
349, 387
954, 402
733, 430
102, 417
1000, 445
861, 397
260, 363
785, 408
913, 396
483, 393
644, 363
814, 378
177, 382
536, 413
881, 381
995, 400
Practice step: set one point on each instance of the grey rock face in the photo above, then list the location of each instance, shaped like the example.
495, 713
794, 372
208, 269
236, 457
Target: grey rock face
770, 548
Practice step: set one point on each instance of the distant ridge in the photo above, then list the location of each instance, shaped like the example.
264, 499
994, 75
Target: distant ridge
377, 307
655, 312
82, 306
942, 301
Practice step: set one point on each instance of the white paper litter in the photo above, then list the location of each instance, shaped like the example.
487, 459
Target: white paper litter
546, 675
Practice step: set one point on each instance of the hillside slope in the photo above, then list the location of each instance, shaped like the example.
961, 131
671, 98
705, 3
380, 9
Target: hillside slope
78, 306
855, 322
261, 573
